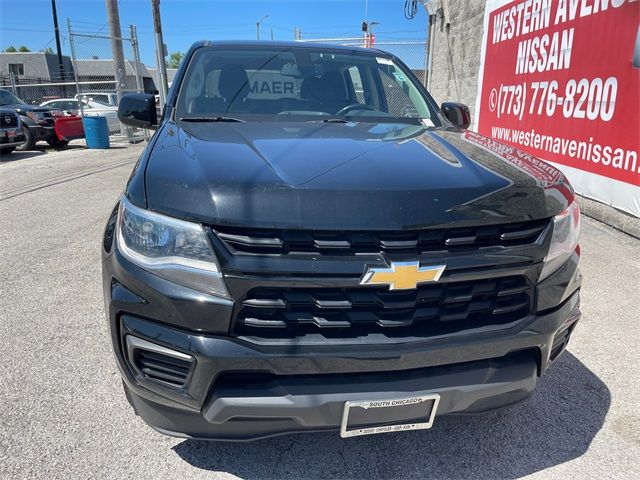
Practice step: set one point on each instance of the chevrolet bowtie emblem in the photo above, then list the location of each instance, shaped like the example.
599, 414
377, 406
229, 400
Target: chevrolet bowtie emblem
402, 275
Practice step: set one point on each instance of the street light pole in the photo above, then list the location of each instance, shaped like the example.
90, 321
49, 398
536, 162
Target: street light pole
371, 37
57, 35
258, 26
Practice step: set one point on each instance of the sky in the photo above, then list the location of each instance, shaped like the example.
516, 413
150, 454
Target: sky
185, 21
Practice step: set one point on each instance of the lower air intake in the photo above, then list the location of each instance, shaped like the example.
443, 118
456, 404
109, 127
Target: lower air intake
159, 364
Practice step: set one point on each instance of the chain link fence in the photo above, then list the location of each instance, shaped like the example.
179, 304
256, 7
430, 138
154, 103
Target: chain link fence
98, 76
36, 90
412, 52
90, 75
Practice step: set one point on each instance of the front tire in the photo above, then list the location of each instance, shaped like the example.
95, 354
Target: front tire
7, 151
29, 142
55, 143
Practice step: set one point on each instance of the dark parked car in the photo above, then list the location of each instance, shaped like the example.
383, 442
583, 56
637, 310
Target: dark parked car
307, 243
37, 122
11, 132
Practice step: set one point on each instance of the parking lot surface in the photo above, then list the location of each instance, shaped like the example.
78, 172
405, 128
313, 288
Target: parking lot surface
64, 414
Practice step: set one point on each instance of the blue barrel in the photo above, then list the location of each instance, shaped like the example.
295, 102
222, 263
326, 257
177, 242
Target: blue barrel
96, 132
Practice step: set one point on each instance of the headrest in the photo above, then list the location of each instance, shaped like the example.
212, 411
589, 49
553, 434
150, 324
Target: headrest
234, 83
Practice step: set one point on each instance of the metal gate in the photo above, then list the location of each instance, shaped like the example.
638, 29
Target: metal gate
97, 79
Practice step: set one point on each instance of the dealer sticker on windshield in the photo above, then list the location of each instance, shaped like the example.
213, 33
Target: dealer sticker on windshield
384, 61
388, 415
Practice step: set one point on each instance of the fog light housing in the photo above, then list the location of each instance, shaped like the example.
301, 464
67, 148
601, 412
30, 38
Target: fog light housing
158, 364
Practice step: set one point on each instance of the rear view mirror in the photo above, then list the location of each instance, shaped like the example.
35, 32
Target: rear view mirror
457, 113
138, 110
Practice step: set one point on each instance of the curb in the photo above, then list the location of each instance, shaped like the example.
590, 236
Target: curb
610, 216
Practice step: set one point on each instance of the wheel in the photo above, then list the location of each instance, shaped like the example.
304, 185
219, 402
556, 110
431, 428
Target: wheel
7, 151
55, 143
29, 142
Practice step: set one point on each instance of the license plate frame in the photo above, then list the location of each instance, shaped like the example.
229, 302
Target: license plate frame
389, 403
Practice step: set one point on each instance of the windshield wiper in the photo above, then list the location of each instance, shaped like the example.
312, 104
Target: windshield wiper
210, 119
336, 120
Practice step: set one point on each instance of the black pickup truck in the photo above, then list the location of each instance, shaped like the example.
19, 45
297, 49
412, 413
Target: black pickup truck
38, 123
309, 242
11, 131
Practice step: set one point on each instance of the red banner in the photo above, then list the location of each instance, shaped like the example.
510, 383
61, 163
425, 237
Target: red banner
559, 82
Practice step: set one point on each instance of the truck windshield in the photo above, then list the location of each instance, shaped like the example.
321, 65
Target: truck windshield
8, 98
290, 83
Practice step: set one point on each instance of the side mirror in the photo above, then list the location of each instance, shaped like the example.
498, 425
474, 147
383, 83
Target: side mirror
138, 110
457, 113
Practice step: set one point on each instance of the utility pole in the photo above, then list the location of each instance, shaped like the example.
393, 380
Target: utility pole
162, 68
57, 34
116, 46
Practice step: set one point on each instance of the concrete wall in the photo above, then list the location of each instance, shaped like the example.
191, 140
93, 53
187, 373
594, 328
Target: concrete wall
456, 52
35, 64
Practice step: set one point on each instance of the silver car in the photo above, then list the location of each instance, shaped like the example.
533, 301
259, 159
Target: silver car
90, 108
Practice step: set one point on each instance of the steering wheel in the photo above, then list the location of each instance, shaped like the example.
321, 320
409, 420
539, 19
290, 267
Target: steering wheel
354, 106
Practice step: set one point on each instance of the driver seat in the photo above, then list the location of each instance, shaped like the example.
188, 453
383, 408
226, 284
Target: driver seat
332, 92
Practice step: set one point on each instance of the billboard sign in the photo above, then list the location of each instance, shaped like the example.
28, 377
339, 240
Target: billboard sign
558, 80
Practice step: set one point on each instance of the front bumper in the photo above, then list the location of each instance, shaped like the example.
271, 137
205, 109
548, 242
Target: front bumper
42, 132
254, 411
238, 389
11, 142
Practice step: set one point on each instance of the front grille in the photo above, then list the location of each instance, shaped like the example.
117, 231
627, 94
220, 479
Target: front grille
430, 310
8, 120
48, 118
257, 241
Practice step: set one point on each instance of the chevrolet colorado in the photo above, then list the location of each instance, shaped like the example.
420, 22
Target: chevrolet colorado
308, 242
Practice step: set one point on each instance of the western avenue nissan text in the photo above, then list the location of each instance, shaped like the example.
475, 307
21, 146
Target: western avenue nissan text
309, 242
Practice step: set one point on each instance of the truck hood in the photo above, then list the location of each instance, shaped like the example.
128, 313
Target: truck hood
364, 176
25, 107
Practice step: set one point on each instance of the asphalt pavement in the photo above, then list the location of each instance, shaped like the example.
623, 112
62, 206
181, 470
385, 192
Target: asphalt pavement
63, 414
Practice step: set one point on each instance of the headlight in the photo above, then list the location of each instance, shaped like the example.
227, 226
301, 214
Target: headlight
170, 248
566, 232
37, 117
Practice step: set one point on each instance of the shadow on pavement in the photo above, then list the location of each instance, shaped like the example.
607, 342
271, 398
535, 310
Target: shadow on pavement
44, 149
555, 425
14, 156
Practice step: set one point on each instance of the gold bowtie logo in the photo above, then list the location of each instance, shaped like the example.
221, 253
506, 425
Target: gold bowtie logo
402, 275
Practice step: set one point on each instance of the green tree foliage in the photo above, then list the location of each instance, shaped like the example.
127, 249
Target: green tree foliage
48, 50
23, 49
10, 49
174, 60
